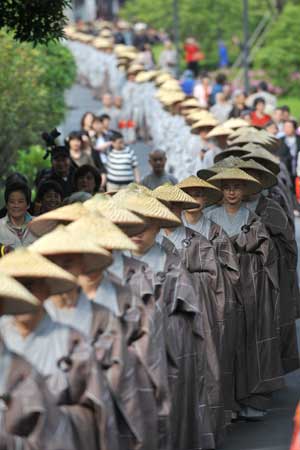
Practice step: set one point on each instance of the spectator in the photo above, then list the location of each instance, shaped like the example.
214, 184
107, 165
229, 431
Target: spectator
221, 108
14, 231
49, 196
193, 55
168, 58
87, 123
258, 117
87, 179
202, 92
239, 104
15, 177
277, 117
78, 156
97, 162
292, 141
103, 136
223, 54
145, 57
140, 35
221, 80
286, 113
158, 175
262, 92
109, 109
187, 82
122, 165
62, 170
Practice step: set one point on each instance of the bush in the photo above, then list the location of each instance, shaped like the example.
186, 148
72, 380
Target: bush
280, 56
30, 162
32, 83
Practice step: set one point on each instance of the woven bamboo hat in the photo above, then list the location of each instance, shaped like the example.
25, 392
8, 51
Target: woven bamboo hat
231, 151
23, 264
250, 184
14, 298
266, 178
102, 231
173, 194
140, 202
145, 76
190, 103
219, 130
172, 98
107, 34
128, 56
170, 85
162, 78
255, 137
129, 222
62, 241
47, 222
212, 193
235, 123
135, 68
102, 43
208, 122
263, 157
229, 163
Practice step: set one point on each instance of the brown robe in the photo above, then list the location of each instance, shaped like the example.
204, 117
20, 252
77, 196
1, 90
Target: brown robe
31, 415
199, 257
258, 364
283, 236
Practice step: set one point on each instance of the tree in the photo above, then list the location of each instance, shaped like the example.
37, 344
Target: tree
37, 21
208, 20
32, 83
280, 54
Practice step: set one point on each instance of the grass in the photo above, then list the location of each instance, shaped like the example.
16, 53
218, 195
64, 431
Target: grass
293, 103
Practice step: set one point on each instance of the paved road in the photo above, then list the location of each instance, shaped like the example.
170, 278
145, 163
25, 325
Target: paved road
275, 431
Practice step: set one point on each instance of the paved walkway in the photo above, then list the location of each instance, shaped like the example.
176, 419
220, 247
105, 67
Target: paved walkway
274, 432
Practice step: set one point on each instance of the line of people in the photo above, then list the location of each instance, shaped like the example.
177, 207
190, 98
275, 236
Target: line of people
150, 318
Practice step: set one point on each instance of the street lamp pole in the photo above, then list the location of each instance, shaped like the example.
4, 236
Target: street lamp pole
176, 33
246, 45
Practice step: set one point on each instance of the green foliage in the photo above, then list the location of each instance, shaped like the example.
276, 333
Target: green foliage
208, 20
30, 162
280, 55
37, 21
32, 83
293, 103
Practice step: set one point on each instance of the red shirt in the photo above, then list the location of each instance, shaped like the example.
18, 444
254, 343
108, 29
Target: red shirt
191, 52
259, 121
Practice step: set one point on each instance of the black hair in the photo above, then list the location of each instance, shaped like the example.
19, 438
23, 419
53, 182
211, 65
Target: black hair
268, 124
258, 100
263, 86
104, 116
46, 186
83, 170
16, 177
293, 122
18, 186
116, 135
84, 117
74, 135
221, 78
285, 108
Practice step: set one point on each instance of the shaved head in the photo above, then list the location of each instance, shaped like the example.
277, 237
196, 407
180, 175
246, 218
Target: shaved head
157, 154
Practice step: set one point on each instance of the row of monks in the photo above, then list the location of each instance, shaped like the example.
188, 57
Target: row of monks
153, 319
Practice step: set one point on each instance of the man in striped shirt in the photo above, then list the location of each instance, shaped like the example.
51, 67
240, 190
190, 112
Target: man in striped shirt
121, 165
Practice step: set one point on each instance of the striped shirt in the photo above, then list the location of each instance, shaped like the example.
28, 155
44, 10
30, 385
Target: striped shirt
120, 165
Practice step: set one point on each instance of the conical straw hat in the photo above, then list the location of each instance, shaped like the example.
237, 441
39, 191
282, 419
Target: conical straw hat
266, 178
231, 151
23, 264
47, 222
140, 202
212, 193
190, 103
106, 34
129, 222
129, 55
255, 137
170, 85
146, 76
235, 123
173, 97
204, 123
62, 241
135, 68
102, 231
102, 43
230, 162
162, 78
250, 184
263, 157
14, 298
173, 194
187, 111
219, 130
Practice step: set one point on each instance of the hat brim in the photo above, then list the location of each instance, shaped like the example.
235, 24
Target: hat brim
270, 165
205, 174
91, 261
212, 195
267, 180
55, 285
233, 152
249, 187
